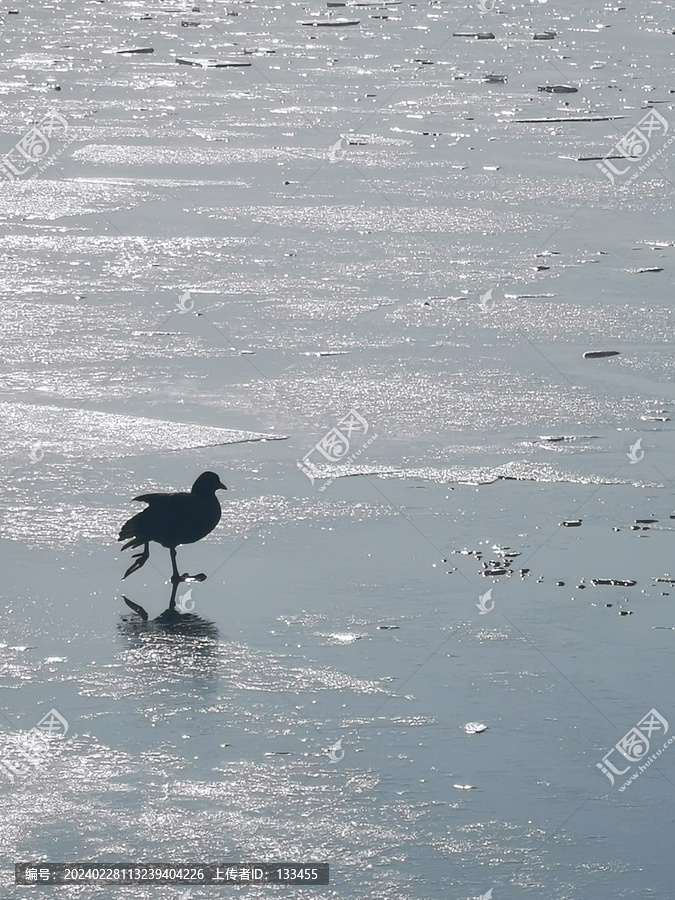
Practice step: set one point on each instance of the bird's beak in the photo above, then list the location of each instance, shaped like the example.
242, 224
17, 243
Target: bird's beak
221, 486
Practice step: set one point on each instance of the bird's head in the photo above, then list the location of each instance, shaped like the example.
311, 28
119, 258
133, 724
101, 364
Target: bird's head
208, 483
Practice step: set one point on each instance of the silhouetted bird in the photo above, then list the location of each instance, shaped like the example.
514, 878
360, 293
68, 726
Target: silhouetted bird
173, 519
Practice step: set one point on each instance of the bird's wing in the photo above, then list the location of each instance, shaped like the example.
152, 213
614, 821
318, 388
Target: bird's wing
167, 504
152, 498
161, 508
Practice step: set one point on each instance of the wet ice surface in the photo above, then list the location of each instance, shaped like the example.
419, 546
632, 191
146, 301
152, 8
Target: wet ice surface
442, 269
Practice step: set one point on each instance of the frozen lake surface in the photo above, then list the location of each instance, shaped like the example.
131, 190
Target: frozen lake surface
209, 267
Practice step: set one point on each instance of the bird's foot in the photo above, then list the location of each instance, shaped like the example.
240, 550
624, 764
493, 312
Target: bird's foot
200, 577
141, 559
178, 579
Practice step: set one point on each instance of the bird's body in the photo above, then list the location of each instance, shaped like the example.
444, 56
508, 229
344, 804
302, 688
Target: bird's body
172, 520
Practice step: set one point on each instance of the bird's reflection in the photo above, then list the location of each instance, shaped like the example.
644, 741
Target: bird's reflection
177, 648
173, 620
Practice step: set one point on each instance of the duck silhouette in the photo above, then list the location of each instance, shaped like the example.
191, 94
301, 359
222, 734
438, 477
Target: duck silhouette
171, 621
173, 519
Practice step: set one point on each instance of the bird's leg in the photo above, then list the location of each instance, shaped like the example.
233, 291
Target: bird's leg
136, 608
141, 559
172, 601
175, 577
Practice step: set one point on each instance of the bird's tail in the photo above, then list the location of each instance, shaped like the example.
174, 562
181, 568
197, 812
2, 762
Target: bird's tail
133, 532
